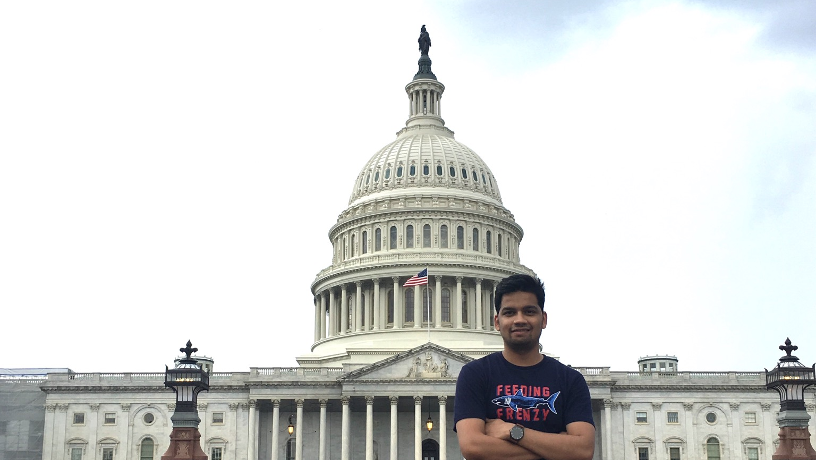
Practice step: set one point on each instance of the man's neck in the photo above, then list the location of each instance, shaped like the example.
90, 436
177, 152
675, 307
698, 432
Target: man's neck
527, 358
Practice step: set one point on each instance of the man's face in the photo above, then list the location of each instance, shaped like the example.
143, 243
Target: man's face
520, 321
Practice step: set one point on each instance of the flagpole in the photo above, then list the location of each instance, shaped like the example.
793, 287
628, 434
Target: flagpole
428, 298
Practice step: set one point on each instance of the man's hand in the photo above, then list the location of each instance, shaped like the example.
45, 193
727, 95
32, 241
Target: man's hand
498, 428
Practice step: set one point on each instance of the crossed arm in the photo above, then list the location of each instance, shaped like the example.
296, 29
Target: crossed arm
488, 440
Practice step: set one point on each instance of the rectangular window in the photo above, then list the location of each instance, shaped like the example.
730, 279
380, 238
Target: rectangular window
110, 418
753, 453
672, 417
640, 417
107, 453
218, 418
76, 453
79, 418
750, 418
216, 453
643, 453
674, 453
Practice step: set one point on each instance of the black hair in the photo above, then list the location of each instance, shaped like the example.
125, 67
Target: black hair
519, 283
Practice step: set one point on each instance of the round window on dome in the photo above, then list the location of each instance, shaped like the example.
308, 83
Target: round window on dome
438, 170
426, 170
148, 418
412, 170
452, 171
464, 173
399, 171
711, 418
387, 173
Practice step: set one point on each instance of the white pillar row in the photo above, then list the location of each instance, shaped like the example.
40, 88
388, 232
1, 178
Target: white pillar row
376, 303
418, 306
358, 307
253, 428
479, 312
299, 430
316, 319
397, 303
332, 314
393, 454
345, 432
457, 314
275, 428
417, 427
369, 428
606, 432
344, 313
437, 307
322, 315
321, 448
443, 428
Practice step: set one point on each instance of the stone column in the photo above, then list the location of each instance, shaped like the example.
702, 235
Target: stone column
457, 314
443, 428
323, 315
658, 421
344, 312
345, 432
393, 454
627, 422
48, 432
437, 316
690, 423
275, 429
93, 424
767, 430
299, 430
376, 304
368, 324
419, 300
358, 307
479, 312
316, 319
252, 434
397, 303
606, 432
417, 427
236, 413
734, 431
332, 314
369, 428
321, 448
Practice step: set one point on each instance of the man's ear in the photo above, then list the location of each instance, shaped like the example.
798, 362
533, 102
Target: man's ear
496, 321
544, 320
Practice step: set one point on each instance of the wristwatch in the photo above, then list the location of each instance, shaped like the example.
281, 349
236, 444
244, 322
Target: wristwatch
516, 433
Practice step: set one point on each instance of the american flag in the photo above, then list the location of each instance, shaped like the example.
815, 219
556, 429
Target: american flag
418, 280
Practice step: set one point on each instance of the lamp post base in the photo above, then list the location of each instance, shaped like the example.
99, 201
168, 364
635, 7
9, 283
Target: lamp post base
185, 444
794, 444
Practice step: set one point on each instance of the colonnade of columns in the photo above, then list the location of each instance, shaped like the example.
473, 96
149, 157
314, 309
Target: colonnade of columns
374, 305
424, 101
320, 438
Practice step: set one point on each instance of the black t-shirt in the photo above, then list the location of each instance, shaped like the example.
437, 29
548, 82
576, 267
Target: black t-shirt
545, 397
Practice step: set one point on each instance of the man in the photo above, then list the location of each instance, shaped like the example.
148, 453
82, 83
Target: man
518, 403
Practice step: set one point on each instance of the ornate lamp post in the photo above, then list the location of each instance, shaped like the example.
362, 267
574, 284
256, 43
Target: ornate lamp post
187, 380
790, 378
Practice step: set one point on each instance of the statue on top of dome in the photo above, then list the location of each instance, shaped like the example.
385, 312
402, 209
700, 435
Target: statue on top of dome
424, 41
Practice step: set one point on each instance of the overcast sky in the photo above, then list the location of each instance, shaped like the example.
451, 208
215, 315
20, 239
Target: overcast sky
170, 170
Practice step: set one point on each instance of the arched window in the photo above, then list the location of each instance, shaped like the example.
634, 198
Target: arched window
362, 309
345, 249
412, 170
290, 449
387, 173
712, 449
451, 171
426, 170
438, 170
464, 307
475, 176
392, 240
460, 237
409, 305
427, 303
430, 450
377, 240
498, 240
443, 236
390, 314
376, 177
146, 449
353, 245
475, 239
488, 242
399, 171
464, 173
365, 242
446, 305
409, 236
426, 236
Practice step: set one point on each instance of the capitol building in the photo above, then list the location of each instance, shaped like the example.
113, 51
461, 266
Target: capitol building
378, 382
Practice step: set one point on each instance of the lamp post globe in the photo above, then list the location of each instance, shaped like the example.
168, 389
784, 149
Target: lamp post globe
790, 378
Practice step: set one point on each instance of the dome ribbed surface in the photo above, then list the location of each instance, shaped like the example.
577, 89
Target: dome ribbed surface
437, 161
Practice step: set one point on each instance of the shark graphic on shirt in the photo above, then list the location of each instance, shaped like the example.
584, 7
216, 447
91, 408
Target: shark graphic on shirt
518, 401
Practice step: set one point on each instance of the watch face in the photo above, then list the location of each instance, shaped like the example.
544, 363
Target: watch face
516, 433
